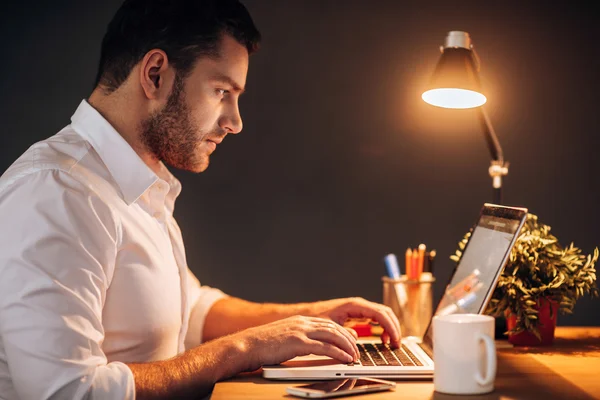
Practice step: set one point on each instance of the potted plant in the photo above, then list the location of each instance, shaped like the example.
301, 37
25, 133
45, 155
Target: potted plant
540, 278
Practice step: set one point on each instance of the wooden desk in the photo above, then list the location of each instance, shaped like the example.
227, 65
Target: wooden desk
570, 369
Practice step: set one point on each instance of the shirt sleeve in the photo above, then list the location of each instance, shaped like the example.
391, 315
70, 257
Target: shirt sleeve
201, 299
58, 243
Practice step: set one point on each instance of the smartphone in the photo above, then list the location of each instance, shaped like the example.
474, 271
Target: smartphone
340, 387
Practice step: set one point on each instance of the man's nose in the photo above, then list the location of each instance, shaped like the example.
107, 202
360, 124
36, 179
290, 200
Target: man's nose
232, 122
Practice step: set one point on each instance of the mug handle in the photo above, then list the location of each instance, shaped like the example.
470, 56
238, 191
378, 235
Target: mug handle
491, 360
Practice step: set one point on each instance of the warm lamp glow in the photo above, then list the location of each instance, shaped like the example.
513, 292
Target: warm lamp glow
455, 84
454, 98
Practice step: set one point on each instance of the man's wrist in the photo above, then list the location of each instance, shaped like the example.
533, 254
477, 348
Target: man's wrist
305, 309
234, 356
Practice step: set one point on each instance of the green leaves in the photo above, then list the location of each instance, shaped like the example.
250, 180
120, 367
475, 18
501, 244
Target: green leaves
539, 267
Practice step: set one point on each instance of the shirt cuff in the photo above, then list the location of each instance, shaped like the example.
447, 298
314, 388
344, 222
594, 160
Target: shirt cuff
113, 381
207, 298
107, 382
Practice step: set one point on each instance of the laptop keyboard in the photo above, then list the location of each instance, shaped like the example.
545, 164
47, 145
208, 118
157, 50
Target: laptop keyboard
380, 354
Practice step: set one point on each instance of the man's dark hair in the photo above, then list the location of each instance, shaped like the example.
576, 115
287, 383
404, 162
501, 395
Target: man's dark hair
184, 29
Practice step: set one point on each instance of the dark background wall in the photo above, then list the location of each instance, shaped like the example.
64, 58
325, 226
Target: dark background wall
340, 161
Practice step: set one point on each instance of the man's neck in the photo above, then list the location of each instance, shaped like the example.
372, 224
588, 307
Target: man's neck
125, 116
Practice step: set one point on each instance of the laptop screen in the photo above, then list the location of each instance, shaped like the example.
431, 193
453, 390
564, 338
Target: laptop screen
474, 279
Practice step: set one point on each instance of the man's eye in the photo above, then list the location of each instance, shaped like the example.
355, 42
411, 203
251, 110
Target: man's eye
222, 92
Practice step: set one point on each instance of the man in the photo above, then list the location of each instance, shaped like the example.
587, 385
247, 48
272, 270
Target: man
96, 298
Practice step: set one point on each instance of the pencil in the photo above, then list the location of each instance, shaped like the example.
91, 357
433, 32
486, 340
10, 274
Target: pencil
408, 263
431, 258
415, 264
420, 256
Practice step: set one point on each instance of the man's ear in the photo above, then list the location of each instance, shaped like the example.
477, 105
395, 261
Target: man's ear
154, 74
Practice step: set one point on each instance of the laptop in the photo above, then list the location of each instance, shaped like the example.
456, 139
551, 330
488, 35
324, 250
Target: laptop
469, 290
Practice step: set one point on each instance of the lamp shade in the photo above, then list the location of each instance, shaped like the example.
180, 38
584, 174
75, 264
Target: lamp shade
455, 81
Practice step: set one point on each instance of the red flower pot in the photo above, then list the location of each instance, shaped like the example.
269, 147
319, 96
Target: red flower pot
547, 323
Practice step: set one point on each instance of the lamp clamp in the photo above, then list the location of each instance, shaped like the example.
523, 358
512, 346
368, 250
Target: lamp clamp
498, 169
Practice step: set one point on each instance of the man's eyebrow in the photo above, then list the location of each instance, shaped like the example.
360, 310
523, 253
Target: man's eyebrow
228, 80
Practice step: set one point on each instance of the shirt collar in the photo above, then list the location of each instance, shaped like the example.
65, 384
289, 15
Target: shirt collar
129, 171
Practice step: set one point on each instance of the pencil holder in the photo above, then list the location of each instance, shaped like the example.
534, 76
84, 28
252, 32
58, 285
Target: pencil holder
411, 300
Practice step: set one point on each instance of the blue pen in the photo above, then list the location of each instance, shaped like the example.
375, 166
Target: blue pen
391, 263
393, 270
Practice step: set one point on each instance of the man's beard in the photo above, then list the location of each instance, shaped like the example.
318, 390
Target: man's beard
170, 134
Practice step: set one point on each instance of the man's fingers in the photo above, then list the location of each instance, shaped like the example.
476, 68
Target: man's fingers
382, 314
396, 324
385, 338
352, 336
333, 333
333, 338
389, 326
327, 349
351, 339
352, 332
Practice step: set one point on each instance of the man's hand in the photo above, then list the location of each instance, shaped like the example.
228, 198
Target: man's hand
195, 371
285, 339
339, 310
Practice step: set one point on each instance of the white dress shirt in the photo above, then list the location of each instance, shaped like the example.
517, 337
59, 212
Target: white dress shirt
92, 267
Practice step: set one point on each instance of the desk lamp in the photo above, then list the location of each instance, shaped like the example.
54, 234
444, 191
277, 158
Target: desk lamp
455, 84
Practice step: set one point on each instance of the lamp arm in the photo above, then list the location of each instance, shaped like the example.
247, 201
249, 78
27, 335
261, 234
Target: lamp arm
498, 167
490, 136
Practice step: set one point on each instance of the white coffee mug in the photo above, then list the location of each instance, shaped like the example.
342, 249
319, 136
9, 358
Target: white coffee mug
464, 354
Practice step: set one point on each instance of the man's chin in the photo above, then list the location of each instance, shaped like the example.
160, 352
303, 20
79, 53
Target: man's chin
199, 167
196, 168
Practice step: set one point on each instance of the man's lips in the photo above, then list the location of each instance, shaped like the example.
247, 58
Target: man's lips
212, 145
214, 142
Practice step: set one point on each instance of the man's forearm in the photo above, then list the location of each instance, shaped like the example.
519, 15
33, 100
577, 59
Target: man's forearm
231, 314
191, 374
